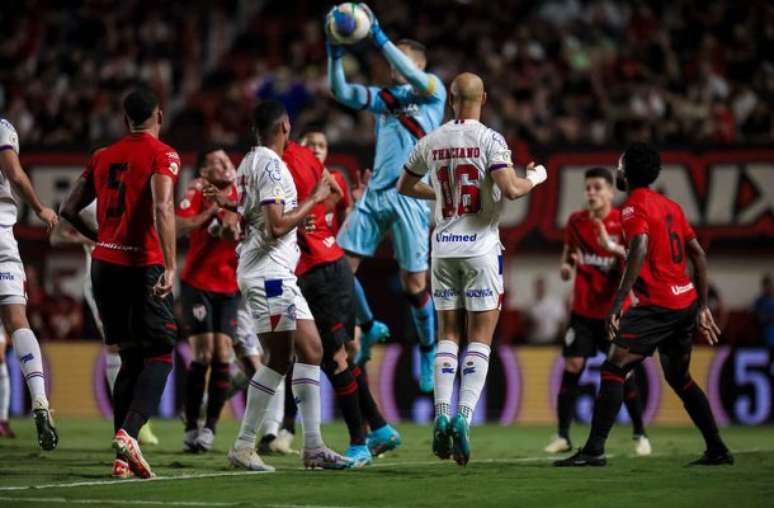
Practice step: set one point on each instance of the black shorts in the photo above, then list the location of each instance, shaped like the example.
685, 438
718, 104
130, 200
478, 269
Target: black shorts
645, 329
131, 314
329, 291
209, 312
585, 337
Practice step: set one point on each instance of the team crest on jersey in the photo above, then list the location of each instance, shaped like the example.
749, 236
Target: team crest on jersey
185, 204
199, 311
273, 169
627, 212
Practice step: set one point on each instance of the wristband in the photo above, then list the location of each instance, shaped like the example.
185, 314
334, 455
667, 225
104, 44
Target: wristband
537, 175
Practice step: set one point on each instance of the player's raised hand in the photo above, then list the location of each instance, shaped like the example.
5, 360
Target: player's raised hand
376, 32
49, 217
164, 285
707, 326
612, 325
321, 191
361, 183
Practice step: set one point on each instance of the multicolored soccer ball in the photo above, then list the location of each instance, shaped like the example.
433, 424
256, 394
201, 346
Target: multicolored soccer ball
348, 23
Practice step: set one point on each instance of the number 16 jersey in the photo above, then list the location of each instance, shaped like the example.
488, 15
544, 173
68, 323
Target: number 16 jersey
120, 175
460, 155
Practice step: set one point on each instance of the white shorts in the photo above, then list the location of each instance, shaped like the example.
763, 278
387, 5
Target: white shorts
246, 342
12, 275
474, 284
275, 304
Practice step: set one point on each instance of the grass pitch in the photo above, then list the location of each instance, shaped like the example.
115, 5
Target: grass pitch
508, 468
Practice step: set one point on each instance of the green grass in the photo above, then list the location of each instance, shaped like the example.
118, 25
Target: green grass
508, 468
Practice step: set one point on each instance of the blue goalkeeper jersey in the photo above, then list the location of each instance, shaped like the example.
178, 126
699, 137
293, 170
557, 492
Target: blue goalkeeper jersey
402, 118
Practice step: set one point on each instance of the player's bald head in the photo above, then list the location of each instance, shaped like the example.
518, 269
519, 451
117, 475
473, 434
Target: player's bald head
468, 87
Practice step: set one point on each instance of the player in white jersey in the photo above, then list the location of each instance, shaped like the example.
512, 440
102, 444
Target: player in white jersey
13, 298
470, 172
266, 275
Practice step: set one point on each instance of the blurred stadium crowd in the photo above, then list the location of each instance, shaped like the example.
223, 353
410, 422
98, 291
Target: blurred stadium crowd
590, 72
558, 72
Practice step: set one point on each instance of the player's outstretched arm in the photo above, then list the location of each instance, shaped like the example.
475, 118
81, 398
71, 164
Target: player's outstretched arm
162, 189
79, 198
638, 248
410, 184
706, 323
351, 95
424, 82
12, 170
278, 222
514, 186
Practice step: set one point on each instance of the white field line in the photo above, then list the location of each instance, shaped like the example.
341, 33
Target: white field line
519, 460
63, 500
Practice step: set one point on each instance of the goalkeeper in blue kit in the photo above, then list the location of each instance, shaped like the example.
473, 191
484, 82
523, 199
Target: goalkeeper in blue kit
412, 106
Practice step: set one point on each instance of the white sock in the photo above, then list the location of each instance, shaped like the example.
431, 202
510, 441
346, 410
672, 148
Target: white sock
444, 374
5, 390
28, 352
274, 412
306, 390
259, 393
475, 365
112, 366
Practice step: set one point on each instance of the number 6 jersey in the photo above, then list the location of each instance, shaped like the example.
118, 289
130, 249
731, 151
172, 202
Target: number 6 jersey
121, 174
459, 156
663, 280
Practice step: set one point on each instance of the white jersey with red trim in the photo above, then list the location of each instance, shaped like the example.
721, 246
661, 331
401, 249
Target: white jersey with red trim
459, 156
9, 140
263, 179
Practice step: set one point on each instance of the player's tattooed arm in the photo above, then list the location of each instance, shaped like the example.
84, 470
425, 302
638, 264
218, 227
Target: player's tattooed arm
638, 248
162, 190
80, 196
12, 170
279, 222
410, 184
706, 323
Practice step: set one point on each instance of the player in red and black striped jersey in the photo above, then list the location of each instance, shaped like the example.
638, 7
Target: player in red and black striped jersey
326, 281
594, 252
669, 309
134, 265
208, 290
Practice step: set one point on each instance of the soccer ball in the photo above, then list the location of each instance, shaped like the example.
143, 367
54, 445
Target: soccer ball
348, 23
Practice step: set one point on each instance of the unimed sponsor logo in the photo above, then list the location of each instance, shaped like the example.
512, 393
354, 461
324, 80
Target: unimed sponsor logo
454, 237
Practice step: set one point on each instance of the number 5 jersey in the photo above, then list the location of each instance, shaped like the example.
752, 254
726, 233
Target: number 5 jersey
121, 176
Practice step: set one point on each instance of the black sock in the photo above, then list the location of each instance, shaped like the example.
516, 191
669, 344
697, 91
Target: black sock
367, 403
633, 404
565, 402
217, 391
131, 365
606, 407
345, 387
147, 392
194, 392
698, 408
291, 409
